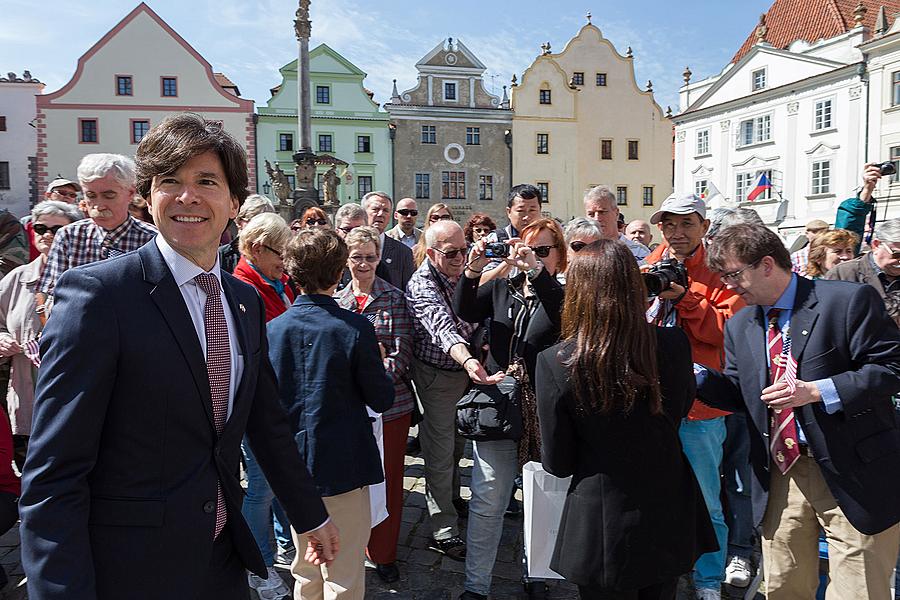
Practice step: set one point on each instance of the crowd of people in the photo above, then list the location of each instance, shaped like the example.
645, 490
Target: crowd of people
709, 391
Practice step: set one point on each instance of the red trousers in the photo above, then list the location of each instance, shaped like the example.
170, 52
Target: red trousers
382, 548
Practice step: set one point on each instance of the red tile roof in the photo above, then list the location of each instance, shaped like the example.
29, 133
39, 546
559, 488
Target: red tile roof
226, 83
813, 20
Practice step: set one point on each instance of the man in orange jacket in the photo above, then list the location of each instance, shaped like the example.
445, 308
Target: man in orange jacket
701, 310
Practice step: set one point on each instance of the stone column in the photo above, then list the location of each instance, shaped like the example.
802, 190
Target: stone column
305, 195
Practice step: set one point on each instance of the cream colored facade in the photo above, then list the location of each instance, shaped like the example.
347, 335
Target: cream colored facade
604, 104
145, 49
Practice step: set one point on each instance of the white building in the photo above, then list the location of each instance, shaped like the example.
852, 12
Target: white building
791, 104
137, 74
18, 142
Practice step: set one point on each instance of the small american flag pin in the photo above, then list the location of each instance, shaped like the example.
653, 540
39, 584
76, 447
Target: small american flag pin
804, 332
241, 306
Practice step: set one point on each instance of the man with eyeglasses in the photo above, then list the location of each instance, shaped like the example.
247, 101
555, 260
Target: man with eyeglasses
60, 189
405, 230
813, 364
442, 367
701, 310
880, 267
397, 264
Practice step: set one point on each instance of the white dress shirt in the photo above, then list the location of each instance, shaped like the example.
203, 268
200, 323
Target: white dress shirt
184, 271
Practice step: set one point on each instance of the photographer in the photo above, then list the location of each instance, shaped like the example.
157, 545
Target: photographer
524, 312
852, 213
700, 308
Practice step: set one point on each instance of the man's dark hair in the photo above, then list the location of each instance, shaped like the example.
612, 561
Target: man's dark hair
526, 191
181, 137
747, 243
315, 258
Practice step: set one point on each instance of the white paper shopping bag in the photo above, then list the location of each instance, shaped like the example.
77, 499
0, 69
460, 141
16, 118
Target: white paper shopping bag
544, 497
378, 492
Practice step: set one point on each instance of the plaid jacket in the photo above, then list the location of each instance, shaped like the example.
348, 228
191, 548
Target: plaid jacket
386, 309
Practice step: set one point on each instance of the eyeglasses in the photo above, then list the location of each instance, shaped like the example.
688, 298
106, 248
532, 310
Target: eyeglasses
272, 250
451, 254
41, 229
407, 212
296, 228
481, 229
72, 195
436, 218
346, 229
369, 258
733, 276
577, 245
311, 222
895, 254
543, 251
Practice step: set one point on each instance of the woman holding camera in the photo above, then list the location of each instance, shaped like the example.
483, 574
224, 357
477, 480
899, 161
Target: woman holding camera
524, 313
610, 399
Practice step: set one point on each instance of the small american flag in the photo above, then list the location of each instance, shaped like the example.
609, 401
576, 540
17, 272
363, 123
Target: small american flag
33, 352
790, 371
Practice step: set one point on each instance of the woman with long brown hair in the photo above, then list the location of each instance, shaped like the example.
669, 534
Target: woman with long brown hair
610, 398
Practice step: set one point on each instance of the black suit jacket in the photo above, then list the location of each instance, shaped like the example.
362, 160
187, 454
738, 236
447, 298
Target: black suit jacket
397, 265
839, 330
634, 514
119, 487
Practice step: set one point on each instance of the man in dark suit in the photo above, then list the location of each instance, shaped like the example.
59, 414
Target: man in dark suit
155, 366
814, 364
397, 264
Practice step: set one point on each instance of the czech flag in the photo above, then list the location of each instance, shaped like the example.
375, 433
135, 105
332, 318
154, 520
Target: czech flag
761, 186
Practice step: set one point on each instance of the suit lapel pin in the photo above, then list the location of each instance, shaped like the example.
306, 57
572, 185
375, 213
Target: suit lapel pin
804, 332
388, 260
241, 306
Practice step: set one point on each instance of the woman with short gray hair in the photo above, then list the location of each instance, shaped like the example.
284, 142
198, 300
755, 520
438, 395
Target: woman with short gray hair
580, 232
22, 319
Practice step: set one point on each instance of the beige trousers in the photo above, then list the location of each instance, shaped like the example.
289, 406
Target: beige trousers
345, 578
860, 567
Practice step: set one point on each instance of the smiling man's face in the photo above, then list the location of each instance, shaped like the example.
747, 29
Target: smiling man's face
192, 206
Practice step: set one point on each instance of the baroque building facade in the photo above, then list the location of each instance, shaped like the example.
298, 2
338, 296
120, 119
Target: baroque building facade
452, 136
18, 143
348, 128
137, 74
581, 120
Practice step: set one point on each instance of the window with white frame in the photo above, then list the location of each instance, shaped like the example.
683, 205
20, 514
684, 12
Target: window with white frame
743, 184
755, 130
823, 113
449, 90
485, 187
473, 136
758, 77
544, 188
820, 181
895, 88
700, 187
703, 141
423, 185
895, 158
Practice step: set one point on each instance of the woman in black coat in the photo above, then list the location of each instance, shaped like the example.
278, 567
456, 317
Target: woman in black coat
610, 397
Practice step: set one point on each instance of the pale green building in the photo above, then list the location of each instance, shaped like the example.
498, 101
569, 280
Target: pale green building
346, 124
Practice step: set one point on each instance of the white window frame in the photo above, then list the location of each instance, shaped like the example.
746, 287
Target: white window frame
702, 136
823, 126
764, 71
455, 83
760, 130
741, 195
699, 186
743, 183
816, 185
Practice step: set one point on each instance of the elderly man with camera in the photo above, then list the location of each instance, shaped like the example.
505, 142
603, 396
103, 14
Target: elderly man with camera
688, 295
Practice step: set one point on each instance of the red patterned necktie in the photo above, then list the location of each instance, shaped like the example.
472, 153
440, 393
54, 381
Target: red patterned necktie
784, 447
218, 366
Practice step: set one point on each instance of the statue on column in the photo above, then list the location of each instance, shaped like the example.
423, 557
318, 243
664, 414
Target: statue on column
280, 184
330, 181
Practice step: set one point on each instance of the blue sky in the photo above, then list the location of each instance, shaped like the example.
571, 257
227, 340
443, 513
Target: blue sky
249, 40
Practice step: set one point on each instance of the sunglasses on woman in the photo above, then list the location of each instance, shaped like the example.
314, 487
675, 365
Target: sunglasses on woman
577, 245
41, 229
542, 251
408, 212
320, 222
436, 218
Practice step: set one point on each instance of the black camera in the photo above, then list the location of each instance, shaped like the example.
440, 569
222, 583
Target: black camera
664, 273
496, 250
887, 168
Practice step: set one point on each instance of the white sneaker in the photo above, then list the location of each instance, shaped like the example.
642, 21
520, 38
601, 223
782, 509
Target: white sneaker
709, 594
738, 572
271, 588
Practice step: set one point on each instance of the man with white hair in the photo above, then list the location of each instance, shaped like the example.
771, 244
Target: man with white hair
600, 205
107, 181
880, 267
442, 367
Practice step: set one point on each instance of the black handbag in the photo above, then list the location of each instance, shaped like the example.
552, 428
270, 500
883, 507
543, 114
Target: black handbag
491, 412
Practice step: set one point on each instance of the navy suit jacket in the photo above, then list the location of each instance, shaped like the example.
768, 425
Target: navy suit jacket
329, 369
839, 330
397, 264
119, 488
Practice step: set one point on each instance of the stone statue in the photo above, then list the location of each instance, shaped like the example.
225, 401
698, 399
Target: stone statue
305, 170
330, 181
280, 184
